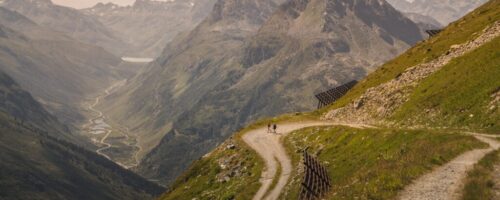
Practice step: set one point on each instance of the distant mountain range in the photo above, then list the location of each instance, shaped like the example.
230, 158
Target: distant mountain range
444, 11
424, 22
58, 70
250, 59
149, 25
68, 21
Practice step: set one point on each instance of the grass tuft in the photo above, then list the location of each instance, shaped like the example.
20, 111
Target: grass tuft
480, 183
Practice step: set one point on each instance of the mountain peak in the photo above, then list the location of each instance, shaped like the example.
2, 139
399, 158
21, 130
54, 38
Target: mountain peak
31, 2
152, 5
444, 11
251, 12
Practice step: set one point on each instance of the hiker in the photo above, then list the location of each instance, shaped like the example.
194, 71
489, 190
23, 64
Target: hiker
275, 127
269, 128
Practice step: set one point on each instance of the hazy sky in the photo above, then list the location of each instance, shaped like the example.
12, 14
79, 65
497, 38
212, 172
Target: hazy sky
89, 3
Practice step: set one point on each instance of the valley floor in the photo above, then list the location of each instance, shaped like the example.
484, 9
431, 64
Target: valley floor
116, 143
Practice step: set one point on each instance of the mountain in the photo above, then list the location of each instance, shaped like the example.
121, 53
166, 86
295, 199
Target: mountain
215, 41
411, 116
68, 21
424, 22
58, 70
39, 162
249, 60
444, 11
148, 25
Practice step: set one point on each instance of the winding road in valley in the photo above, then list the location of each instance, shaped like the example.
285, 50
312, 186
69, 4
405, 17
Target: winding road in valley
97, 125
444, 182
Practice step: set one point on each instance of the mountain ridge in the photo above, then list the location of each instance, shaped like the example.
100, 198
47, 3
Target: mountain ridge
445, 11
58, 70
68, 21
149, 25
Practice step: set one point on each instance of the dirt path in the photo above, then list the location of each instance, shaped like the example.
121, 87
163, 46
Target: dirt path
269, 147
447, 181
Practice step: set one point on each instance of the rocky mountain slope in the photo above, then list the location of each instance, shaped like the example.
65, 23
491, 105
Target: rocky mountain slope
445, 11
149, 25
40, 162
58, 70
248, 60
68, 21
418, 105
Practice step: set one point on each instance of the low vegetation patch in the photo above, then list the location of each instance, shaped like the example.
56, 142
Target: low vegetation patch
459, 95
232, 171
480, 180
373, 163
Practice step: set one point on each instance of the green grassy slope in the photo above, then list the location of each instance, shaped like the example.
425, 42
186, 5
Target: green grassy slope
205, 178
460, 94
374, 163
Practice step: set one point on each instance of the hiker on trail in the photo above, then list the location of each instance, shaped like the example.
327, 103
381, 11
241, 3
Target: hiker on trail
275, 127
269, 128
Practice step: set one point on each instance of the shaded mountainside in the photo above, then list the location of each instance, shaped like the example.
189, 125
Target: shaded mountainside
423, 133
445, 11
21, 106
39, 162
149, 25
68, 21
249, 60
58, 70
